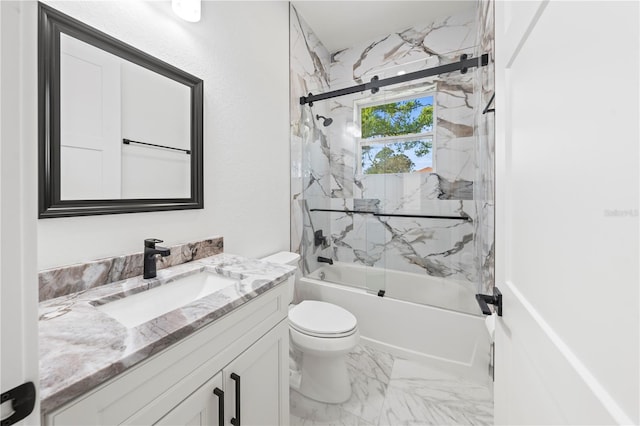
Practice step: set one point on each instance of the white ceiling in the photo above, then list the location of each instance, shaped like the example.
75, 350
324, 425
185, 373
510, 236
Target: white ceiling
341, 24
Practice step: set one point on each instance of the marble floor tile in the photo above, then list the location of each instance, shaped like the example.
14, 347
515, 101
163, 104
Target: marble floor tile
392, 391
370, 362
418, 394
342, 421
406, 408
307, 412
367, 399
370, 371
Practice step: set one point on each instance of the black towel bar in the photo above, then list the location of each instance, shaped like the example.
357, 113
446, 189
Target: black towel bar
129, 141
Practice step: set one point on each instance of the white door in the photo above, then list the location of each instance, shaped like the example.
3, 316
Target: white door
90, 124
567, 345
18, 200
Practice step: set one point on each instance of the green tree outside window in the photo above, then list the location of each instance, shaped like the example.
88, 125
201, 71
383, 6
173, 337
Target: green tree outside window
410, 117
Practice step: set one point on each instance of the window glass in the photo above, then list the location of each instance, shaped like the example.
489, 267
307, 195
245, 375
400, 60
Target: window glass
397, 137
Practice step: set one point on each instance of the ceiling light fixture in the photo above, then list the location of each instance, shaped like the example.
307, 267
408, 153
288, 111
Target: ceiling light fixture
189, 10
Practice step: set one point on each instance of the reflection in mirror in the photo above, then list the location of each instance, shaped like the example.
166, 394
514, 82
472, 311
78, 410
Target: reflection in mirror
120, 130
105, 99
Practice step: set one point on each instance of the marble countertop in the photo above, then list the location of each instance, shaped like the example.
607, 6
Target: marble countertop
81, 347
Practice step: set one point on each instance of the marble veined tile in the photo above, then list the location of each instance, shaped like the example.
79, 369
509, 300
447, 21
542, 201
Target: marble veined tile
418, 395
307, 412
348, 420
393, 391
370, 362
370, 371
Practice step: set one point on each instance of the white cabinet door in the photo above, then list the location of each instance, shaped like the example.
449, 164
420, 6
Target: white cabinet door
200, 408
257, 382
254, 390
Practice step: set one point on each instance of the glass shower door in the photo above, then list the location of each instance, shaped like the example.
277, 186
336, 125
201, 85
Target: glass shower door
375, 269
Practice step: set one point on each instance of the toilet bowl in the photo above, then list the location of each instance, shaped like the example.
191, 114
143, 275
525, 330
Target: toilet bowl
323, 333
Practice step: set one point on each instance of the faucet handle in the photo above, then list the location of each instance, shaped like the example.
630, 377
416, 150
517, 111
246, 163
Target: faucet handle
151, 242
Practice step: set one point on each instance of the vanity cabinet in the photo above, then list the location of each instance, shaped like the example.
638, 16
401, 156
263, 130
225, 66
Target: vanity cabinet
249, 388
248, 347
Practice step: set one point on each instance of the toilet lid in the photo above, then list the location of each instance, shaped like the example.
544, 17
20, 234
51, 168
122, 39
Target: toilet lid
314, 317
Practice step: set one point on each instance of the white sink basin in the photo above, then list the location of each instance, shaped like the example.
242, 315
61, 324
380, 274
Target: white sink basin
144, 306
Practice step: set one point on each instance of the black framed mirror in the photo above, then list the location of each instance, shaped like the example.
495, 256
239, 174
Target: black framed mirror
120, 131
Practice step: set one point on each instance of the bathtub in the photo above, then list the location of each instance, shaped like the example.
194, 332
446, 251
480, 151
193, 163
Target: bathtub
448, 333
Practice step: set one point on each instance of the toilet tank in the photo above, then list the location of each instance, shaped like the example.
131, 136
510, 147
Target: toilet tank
286, 258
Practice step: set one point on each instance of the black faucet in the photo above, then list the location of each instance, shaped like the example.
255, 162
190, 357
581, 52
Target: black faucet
325, 260
150, 252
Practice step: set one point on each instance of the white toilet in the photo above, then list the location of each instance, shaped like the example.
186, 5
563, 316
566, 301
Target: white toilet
323, 333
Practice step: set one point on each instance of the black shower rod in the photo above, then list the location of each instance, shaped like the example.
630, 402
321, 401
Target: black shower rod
463, 65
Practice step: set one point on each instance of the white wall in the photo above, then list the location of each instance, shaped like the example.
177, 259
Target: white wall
241, 51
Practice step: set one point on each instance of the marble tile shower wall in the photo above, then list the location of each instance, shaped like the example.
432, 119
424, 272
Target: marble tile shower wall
413, 49
310, 174
325, 170
485, 153
437, 247
60, 281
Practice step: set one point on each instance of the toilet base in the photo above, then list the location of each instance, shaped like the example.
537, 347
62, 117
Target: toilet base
325, 379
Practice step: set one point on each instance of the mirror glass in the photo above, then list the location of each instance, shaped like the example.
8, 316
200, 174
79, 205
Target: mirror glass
120, 132
105, 100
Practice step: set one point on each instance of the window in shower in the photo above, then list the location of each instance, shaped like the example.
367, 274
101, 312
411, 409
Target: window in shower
397, 136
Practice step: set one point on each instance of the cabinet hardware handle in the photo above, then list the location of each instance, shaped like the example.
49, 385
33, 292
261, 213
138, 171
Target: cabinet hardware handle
220, 394
236, 420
